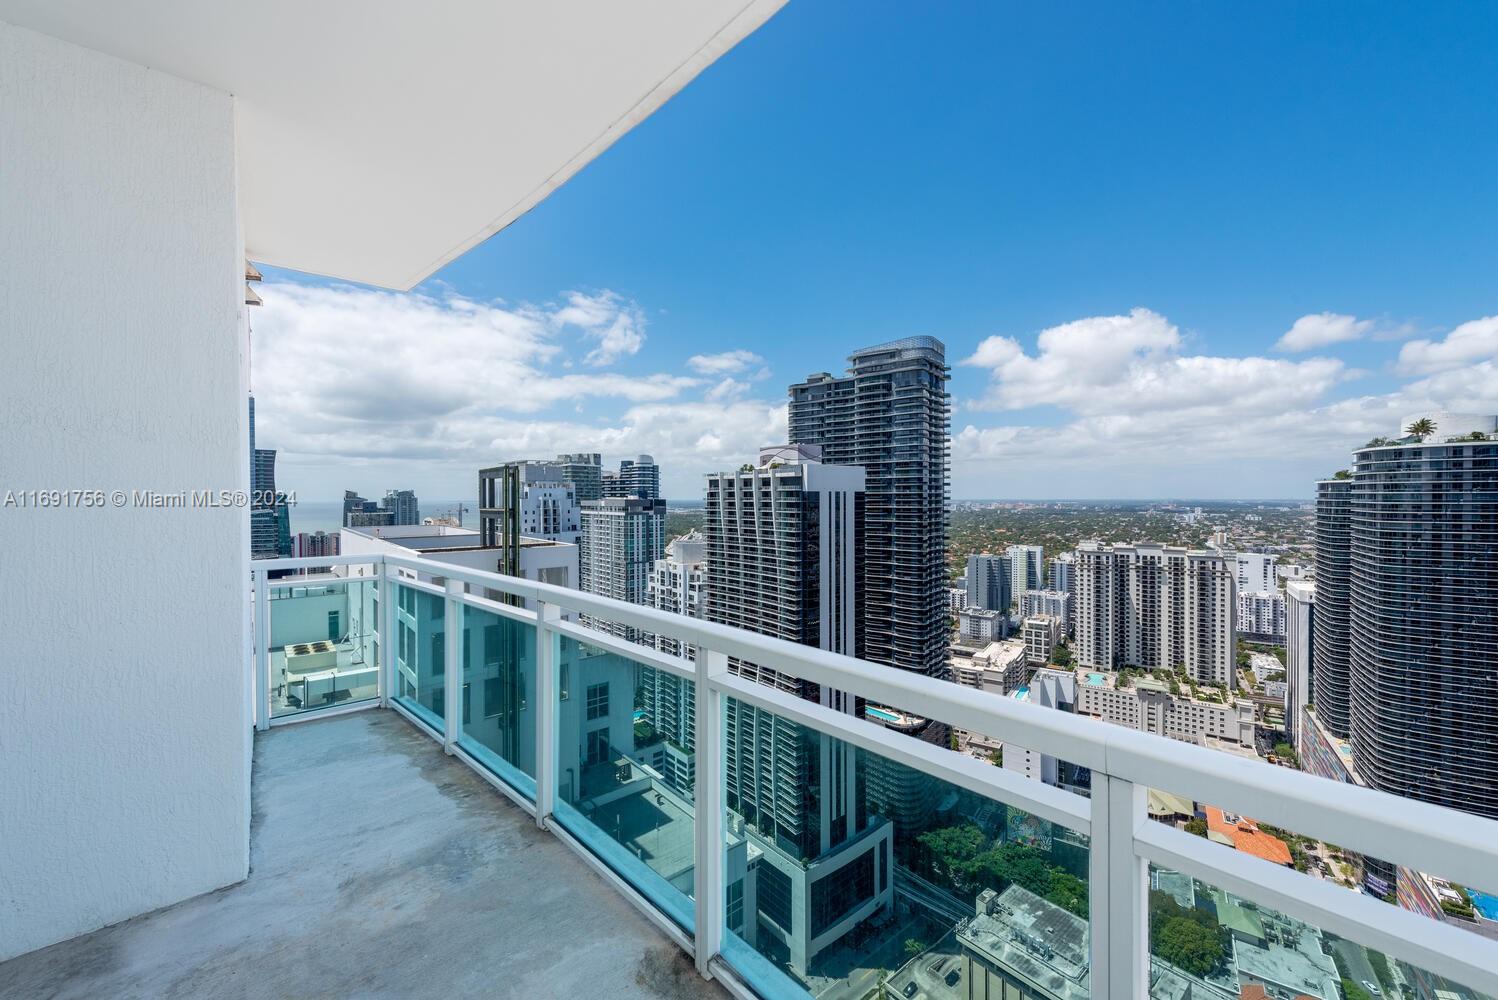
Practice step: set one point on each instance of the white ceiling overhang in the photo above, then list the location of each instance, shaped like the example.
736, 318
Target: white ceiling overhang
380, 139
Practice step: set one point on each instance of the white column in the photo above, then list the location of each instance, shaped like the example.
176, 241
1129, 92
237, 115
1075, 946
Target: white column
262, 651
708, 793
389, 625
1119, 890
548, 656
452, 647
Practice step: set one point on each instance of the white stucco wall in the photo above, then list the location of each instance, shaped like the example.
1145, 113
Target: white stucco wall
124, 731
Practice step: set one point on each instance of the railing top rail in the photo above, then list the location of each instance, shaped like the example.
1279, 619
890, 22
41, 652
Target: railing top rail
1432, 838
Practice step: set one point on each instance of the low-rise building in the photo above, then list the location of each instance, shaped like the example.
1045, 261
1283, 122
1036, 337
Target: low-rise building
1147, 704
981, 624
1040, 634
1018, 945
999, 667
956, 599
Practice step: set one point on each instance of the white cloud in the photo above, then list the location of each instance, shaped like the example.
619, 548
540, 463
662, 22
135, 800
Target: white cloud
1473, 341
617, 325
440, 385
726, 363
1126, 366
1320, 329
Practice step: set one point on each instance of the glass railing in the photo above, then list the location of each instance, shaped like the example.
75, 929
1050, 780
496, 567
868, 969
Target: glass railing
618, 789
498, 724
837, 855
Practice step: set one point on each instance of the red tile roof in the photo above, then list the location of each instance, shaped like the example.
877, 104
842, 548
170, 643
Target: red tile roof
1247, 837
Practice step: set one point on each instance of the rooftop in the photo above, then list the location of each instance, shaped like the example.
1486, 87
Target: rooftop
367, 842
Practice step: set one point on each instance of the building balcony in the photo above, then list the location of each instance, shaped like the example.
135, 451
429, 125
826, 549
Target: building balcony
455, 803
379, 866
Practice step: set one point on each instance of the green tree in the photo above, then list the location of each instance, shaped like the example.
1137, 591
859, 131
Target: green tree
951, 852
1422, 428
913, 947
1188, 938
1196, 826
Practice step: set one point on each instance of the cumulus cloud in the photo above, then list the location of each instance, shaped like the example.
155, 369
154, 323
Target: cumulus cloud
1129, 365
1321, 329
616, 325
347, 377
726, 363
1473, 341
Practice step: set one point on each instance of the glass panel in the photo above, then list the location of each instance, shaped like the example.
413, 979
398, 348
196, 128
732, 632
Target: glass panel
618, 791
498, 727
324, 650
850, 875
421, 636
1205, 941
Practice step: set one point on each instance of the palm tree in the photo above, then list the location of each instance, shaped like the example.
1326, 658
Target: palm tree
1422, 428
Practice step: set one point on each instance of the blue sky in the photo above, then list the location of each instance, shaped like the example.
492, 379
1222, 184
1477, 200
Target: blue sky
1166, 188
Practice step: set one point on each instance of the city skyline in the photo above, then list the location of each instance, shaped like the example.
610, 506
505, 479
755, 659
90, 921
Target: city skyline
1262, 254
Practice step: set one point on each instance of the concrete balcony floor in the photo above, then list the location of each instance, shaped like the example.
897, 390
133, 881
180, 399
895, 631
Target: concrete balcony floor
380, 867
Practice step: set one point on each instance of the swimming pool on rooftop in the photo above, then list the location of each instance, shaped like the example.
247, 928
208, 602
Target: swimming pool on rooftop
1096, 680
880, 713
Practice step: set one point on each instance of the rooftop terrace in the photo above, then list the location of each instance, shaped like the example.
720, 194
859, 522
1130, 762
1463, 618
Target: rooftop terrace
380, 867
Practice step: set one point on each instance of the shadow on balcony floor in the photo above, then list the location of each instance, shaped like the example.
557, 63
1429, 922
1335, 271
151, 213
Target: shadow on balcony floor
379, 868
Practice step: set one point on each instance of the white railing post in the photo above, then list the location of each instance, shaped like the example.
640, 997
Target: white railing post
389, 639
548, 653
452, 667
262, 650
1119, 890
708, 796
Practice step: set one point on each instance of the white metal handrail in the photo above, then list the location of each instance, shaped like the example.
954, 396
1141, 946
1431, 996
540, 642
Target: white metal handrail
1125, 763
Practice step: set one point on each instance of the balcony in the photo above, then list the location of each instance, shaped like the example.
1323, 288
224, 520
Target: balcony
406, 785
378, 867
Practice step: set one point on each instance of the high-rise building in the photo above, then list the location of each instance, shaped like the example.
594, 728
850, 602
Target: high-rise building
1329, 684
666, 699
637, 477
783, 544
359, 512
890, 415
403, 506
1423, 635
1256, 571
1158, 607
1056, 604
990, 582
317, 543
1026, 568
1261, 616
525, 499
1061, 572
620, 541
584, 470
1300, 659
265, 525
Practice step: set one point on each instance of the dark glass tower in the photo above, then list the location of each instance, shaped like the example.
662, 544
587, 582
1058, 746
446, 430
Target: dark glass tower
890, 415
1423, 528
1329, 691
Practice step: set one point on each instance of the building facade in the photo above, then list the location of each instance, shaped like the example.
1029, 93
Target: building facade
782, 559
1026, 569
981, 625
403, 506
1147, 704
637, 477
990, 582
1054, 603
1300, 652
526, 499
1423, 601
1333, 605
1261, 616
891, 416
1040, 634
1157, 607
584, 470
620, 541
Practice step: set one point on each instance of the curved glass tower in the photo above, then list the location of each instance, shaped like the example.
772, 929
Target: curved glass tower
1423, 527
1329, 684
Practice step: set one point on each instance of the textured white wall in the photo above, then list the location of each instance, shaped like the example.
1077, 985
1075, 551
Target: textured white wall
124, 736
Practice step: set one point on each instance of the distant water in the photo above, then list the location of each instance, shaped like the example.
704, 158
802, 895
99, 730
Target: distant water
322, 515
